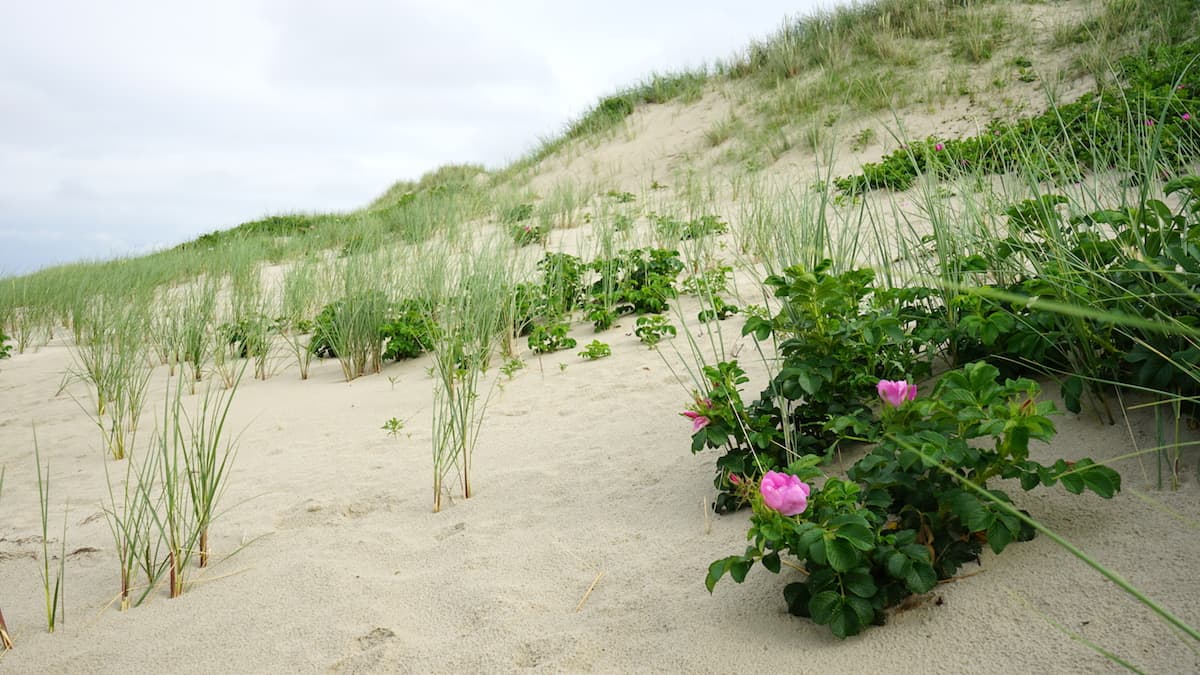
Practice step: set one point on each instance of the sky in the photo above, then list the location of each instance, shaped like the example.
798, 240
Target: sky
127, 126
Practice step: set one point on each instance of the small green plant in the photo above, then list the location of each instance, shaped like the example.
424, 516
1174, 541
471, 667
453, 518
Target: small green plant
511, 366
862, 139
719, 311
596, 350
653, 329
621, 197
5, 348
671, 228
393, 426
710, 282
552, 338
408, 332
637, 281
525, 234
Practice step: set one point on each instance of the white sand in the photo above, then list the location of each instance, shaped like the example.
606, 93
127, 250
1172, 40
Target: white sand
580, 474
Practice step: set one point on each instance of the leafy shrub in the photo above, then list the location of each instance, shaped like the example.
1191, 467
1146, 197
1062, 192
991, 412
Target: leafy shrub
637, 281
562, 283
552, 338
5, 348
838, 336
621, 197
915, 509
409, 332
528, 233
596, 350
713, 281
652, 330
719, 311
1138, 262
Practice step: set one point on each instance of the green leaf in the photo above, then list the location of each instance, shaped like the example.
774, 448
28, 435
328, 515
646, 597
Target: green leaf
1018, 441
999, 536
854, 529
797, 598
1072, 392
715, 572
859, 536
922, 579
1102, 480
898, 565
816, 552
823, 605
806, 541
739, 567
847, 620
771, 562
1073, 482
859, 582
917, 553
973, 514
842, 554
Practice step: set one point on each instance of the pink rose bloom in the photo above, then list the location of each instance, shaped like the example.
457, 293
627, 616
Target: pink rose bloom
895, 393
784, 493
1186, 117
698, 421
939, 147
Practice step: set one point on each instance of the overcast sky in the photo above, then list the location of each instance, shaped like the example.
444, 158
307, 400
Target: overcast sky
128, 125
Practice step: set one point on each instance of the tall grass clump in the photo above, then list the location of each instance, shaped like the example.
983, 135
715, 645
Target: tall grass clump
130, 516
194, 457
209, 459
298, 303
55, 598
197, 316
113, 359
348, 329
250, 331
470, 294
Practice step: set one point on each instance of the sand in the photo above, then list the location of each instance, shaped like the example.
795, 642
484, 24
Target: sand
583, 481
586, 543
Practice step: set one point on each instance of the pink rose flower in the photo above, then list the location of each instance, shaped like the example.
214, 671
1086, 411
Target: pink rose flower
1186, 117
698, 421
784, 493
895, 393
939, 147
